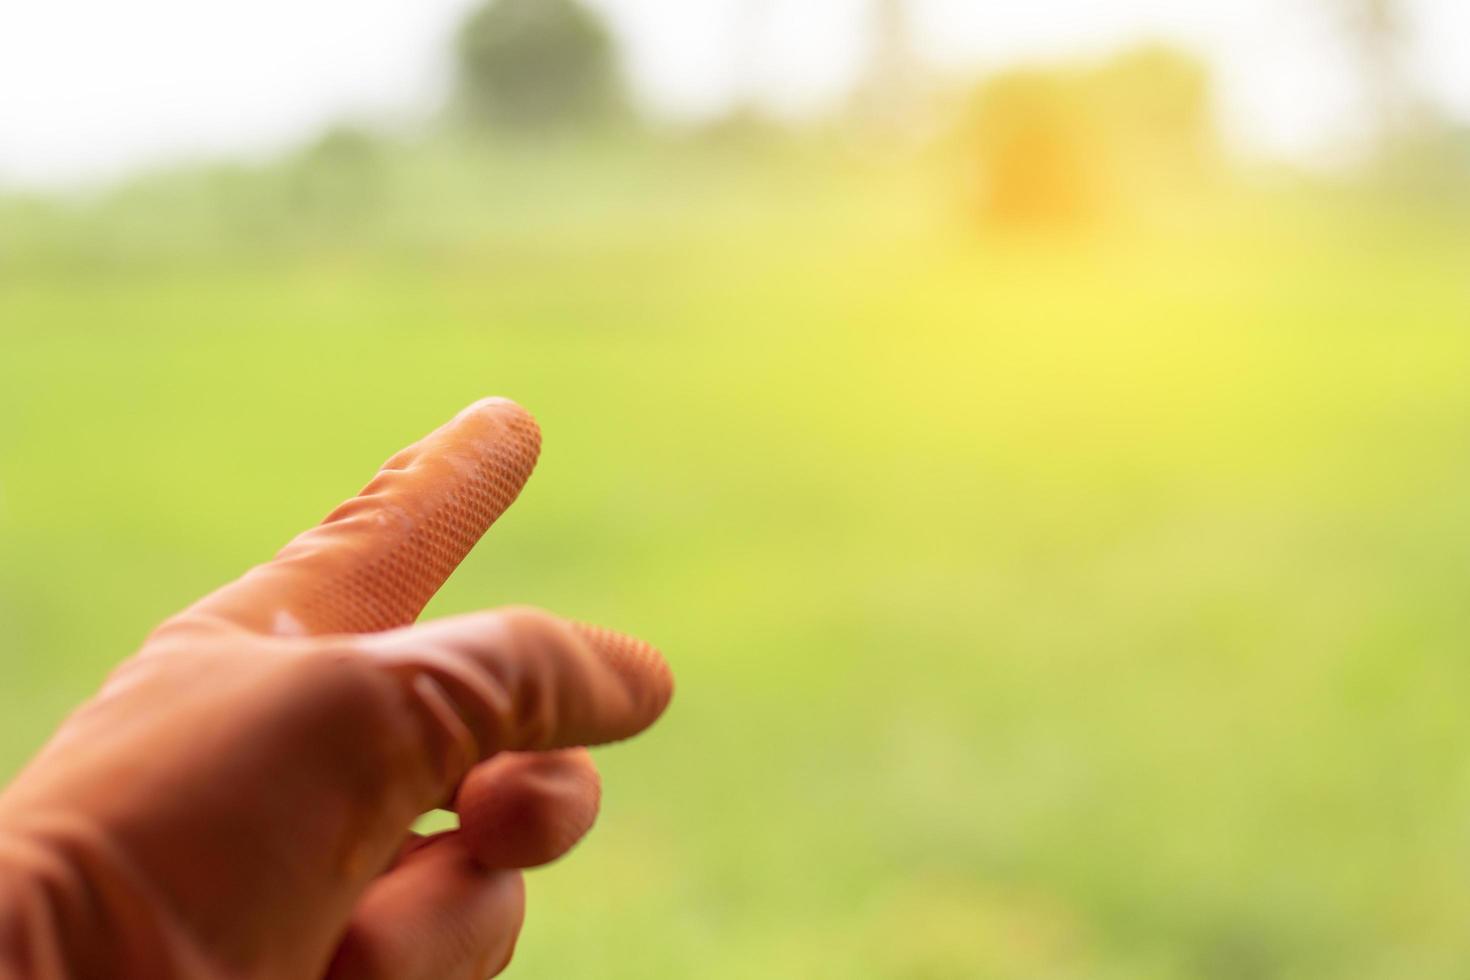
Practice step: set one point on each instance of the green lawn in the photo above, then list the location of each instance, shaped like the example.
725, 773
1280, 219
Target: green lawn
1091, 610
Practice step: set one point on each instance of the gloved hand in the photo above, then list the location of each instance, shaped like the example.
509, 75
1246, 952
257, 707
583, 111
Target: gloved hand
237, 800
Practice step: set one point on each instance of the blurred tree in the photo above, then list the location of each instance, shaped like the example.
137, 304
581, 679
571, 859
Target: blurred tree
1416, 150
890, 99
339, 180
536, 64
747, 54
748, 125
1378, 29
1033, 143
1061, 145
1156, 109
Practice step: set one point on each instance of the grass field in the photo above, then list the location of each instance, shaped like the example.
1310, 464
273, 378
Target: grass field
1039, 610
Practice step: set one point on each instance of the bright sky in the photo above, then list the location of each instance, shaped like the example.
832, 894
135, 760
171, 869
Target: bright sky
93, 88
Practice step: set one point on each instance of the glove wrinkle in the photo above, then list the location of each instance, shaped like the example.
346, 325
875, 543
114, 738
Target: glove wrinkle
73, 906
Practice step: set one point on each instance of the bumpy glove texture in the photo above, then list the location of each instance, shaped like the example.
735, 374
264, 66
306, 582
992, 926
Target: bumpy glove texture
236, 801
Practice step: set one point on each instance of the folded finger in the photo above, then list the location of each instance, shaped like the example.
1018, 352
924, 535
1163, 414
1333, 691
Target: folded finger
437, 915
525, 809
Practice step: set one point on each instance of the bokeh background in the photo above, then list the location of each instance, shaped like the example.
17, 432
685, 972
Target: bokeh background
1037, 433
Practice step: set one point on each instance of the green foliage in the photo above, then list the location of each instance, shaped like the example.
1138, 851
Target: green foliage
340, 181
536, 64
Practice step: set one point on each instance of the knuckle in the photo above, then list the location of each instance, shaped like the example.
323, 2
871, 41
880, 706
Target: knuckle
350, 674
356, 695
409, 716
543, 641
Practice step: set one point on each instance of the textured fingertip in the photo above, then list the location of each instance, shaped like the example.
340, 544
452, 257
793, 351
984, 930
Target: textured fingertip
506, 417
378, 558
642, 668
412, 525
501, 439
526, 810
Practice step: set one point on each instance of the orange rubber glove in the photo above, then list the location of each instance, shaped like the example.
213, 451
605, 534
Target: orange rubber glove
237, 800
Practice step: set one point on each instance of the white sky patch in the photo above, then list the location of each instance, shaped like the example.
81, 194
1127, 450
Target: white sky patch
93, 88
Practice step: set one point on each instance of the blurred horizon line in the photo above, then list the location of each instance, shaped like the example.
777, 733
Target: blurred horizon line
683, 69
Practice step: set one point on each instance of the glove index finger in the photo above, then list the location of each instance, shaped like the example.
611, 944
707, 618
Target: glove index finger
377, 559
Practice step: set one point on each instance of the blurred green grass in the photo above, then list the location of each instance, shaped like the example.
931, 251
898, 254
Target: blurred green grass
1039, 609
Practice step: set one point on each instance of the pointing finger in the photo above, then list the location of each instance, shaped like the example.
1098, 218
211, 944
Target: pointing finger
379, 557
